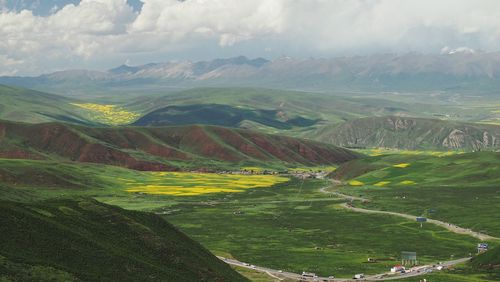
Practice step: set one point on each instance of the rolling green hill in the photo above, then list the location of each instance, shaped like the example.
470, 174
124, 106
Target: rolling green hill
410, 133
164, 148
18, 104
84, 240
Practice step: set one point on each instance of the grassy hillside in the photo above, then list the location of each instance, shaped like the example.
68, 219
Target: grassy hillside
163, 148
465, 169
26, 105
490, 258
489, 262
70, 240
411, 133
461, 189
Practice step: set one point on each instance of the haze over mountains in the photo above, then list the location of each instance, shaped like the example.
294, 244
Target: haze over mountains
460, 70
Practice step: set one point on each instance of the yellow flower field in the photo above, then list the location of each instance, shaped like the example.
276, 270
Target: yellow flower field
109, 114
381, 183
403, 165
192, 184
356, 183
407, 182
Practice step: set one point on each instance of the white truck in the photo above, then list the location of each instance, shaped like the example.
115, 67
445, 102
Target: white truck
309, 274
359, 276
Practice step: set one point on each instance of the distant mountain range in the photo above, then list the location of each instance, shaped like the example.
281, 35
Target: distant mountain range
454, 71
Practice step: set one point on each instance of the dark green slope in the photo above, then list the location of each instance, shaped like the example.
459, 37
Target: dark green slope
222, 115
410, 133
65, 240
489, 259
489, 262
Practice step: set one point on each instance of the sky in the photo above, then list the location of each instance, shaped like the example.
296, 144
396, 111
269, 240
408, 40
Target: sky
41, 36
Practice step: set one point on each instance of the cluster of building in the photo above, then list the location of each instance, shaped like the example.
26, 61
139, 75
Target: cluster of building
309, 174
250, 172
320, 174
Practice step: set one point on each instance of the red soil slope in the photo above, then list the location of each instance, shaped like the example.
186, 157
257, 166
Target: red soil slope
153, 147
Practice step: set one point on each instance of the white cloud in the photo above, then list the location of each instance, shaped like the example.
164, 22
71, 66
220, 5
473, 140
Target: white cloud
230, 21
100, 32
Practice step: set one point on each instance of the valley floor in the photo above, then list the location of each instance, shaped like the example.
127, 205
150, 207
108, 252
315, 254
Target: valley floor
292, 224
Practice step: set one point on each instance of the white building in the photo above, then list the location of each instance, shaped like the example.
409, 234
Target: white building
397, 268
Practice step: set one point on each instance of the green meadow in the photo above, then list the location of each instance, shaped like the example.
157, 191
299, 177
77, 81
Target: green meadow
278, 228
292, 225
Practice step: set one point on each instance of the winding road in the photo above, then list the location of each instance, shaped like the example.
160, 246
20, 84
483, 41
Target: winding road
451, 227
415, 271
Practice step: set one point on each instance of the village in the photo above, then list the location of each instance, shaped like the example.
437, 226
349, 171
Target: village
300, 174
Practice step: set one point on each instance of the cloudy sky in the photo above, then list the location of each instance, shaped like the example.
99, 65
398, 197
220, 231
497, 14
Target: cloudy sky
40, 36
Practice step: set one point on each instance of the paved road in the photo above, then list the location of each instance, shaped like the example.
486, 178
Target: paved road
451, 227
416, 271
282, 275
